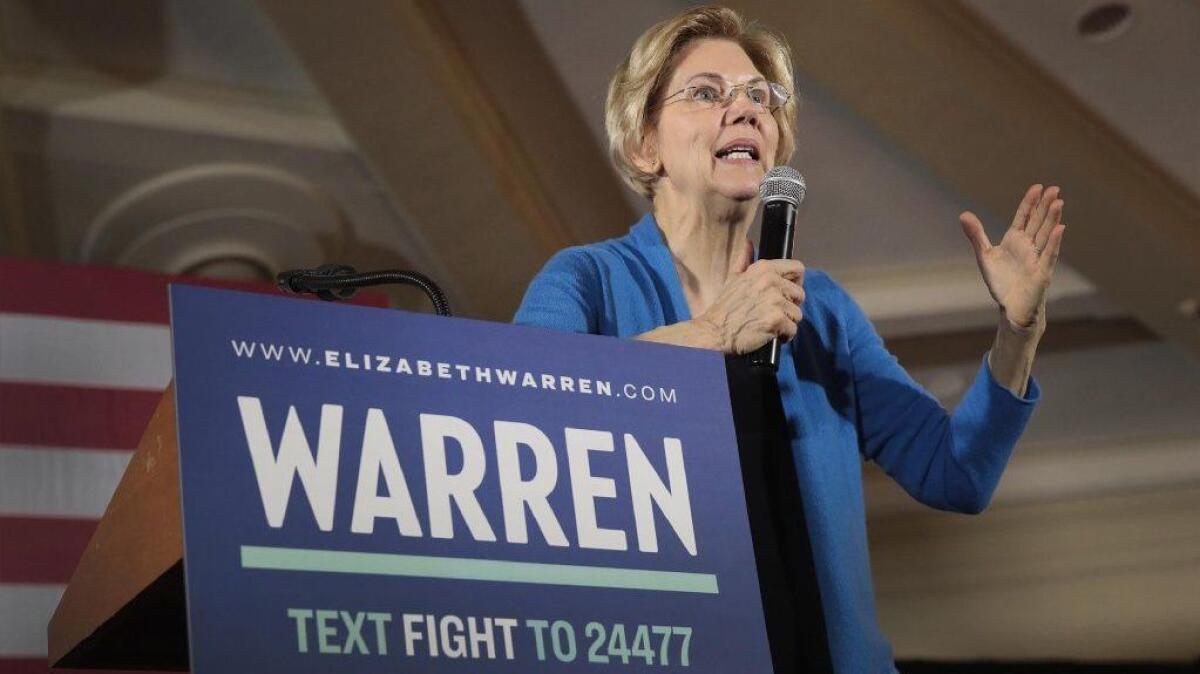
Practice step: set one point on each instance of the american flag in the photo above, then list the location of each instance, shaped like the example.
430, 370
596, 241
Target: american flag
85, 354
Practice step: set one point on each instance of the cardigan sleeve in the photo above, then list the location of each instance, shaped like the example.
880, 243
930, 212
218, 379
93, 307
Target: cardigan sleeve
564, 294
947, 461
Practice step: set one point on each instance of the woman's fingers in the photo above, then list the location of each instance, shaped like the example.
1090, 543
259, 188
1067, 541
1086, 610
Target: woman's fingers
973, 229
789, 290
793, 270
1027, 203
787, 304
1049, 258
793, 292
783, 321
1043, 204
1038, 219
792, 311
789, 331
1053, 217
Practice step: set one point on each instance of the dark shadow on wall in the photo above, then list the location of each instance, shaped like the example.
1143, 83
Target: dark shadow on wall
125, 40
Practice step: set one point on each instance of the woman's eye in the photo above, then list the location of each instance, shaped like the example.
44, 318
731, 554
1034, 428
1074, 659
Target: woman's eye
705, 95
760, 96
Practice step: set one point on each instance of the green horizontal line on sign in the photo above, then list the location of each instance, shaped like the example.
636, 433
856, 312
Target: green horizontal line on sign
456, 568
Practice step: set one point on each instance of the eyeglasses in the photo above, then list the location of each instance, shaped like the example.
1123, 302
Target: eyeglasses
713, 93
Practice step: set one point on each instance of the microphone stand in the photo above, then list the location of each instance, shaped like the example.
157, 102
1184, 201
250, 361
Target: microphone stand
332, 282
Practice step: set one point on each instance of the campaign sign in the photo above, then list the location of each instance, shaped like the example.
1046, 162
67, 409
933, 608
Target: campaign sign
367, 490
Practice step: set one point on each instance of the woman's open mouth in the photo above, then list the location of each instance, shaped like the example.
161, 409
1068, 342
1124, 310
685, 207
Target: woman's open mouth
738, 152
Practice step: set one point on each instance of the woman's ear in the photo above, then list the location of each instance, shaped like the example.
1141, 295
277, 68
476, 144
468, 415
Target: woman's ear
645, 156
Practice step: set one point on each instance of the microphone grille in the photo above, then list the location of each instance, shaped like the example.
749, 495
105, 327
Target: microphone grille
782, 183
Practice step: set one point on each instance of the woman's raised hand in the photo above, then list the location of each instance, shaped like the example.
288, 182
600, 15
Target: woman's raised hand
759, 302
1018, 270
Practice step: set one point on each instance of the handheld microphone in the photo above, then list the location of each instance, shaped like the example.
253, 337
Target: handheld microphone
782, 190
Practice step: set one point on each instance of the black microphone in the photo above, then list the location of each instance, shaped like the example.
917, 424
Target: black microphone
302, 281
782, 190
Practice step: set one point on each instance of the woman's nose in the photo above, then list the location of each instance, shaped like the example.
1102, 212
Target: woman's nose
741, 109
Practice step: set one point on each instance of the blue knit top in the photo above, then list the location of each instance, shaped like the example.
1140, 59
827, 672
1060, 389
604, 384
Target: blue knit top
846, 398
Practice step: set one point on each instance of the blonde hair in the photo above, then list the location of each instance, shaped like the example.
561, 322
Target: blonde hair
639, 82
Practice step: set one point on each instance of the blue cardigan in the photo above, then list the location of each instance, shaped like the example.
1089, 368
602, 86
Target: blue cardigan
844, 395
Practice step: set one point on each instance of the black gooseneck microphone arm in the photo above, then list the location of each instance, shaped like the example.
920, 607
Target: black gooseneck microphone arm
333, 282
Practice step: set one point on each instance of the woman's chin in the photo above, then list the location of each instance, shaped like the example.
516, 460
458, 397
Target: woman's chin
742, 185
740, 191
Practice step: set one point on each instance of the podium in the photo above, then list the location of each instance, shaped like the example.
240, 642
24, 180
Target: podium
126, 605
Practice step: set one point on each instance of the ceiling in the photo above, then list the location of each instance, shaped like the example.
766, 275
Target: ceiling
238, 138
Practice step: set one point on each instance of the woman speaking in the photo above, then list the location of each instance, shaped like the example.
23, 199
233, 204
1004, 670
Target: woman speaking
696, 115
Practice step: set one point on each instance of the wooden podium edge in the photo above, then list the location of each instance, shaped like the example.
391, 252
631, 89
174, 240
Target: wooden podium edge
138, 542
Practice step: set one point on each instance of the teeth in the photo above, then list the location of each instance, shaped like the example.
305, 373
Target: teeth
737, 152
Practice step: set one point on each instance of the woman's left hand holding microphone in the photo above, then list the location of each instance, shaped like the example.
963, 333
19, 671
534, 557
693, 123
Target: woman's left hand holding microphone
759, 301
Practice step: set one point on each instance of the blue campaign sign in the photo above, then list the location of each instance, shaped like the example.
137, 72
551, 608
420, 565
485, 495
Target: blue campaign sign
368, 490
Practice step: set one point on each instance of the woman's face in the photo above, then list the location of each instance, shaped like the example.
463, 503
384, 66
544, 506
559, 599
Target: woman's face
692, 141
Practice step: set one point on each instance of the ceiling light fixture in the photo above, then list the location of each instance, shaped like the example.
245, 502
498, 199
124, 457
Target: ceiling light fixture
1104, 21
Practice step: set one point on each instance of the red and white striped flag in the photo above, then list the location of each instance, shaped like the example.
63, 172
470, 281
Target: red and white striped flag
85, 354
